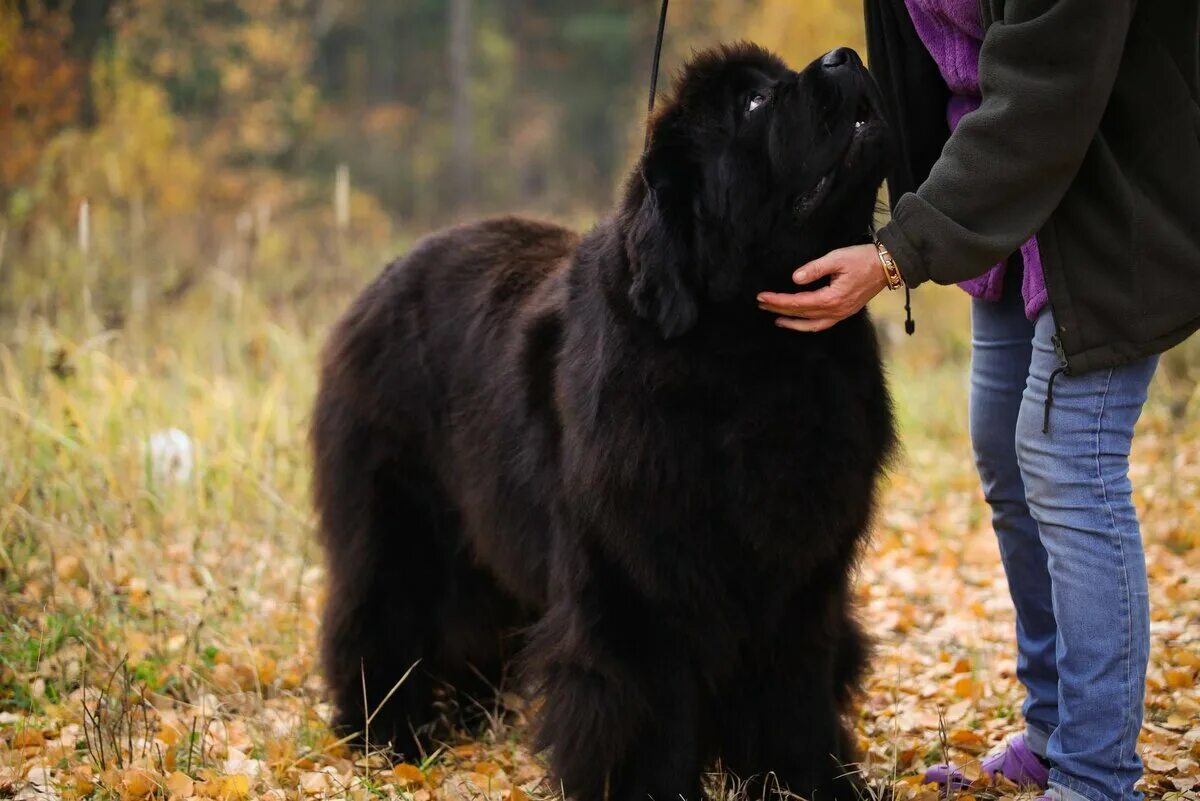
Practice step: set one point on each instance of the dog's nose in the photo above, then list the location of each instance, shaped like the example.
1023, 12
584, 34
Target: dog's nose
837, 58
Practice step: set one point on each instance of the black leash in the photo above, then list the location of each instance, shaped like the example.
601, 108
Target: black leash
662, 26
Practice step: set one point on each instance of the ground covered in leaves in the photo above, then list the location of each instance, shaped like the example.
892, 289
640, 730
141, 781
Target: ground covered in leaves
158, 618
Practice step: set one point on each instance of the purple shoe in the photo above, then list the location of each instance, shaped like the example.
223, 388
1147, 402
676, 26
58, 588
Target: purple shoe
947, 777
1017, 763
1014, 761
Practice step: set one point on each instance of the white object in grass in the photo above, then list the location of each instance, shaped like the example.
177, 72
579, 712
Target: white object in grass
172, 456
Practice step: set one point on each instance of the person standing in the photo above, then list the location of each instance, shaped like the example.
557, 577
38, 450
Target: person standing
1050, 165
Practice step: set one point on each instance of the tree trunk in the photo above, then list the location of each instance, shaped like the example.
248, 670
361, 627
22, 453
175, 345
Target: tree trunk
460, 89
89, 27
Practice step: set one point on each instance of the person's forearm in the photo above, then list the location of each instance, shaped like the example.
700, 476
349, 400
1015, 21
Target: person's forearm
1046, 73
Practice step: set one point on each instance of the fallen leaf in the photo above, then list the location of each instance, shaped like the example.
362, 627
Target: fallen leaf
83, 780
1157, 764
69, 567
138, 783
180, 785
1178, 679
965, 687
408, 774
314, 782
236, 786
28, 738
965, 739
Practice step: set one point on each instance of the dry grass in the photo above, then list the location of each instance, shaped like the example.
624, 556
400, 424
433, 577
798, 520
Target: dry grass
157, 635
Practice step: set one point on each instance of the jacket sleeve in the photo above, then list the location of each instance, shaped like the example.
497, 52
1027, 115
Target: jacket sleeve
914, 94
1046, 71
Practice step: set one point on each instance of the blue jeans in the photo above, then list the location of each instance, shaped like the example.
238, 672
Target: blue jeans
1070, 542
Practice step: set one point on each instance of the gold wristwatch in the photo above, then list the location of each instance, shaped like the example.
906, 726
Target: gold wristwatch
891, 272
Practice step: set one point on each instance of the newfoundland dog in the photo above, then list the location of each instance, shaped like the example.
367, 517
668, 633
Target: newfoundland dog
595, 457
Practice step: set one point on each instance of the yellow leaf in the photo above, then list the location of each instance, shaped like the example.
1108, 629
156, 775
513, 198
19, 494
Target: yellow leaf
487, 781
291, 679
210, 783
169, 733
137, 783
236, 786
28, 738
1189, 706
69, 568
1175, 721
965, 687
408, 774
313, 782
265, 668
1187, 658
1178, 679
83, 781
180, 785
139, 590
967, 740
110, 778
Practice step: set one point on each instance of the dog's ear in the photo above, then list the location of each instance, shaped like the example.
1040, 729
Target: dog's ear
658, 240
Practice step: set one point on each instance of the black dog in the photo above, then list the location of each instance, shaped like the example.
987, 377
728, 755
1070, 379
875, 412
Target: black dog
601, 445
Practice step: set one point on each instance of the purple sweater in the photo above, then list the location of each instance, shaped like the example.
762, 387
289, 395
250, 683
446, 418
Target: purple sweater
952, 32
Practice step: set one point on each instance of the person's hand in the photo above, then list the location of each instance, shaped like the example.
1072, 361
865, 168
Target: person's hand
855, 276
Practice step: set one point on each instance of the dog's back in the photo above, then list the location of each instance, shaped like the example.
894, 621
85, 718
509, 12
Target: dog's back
459, 332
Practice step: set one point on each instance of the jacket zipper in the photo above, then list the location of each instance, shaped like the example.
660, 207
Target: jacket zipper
1062, 369
1060, 352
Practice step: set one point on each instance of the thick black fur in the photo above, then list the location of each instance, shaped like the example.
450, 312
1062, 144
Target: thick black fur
600, 451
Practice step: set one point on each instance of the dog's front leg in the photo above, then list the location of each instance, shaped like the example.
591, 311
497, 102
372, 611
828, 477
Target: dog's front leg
610, 742
802, 751
782, 731
620, 715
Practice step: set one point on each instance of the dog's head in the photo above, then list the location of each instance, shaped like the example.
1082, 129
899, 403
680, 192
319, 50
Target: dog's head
751, 170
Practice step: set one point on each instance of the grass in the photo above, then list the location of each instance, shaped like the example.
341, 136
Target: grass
157, 635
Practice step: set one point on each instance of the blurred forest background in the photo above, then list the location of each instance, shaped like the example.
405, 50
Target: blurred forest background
200, 133
191, 191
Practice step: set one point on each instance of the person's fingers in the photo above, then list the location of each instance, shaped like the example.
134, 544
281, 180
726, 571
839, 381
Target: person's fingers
818, 303
790, 313
816, 269
805, 326
778, 310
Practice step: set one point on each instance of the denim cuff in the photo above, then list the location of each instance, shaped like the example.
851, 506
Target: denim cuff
1036, 739
1064, 788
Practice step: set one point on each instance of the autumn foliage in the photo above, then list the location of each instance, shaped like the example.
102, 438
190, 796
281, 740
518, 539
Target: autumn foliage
158, 624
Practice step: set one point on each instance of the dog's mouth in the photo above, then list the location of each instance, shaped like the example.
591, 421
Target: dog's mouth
864, 114
866, 131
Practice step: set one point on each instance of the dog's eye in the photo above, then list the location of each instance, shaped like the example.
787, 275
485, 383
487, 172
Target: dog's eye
754, 102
